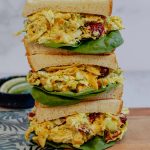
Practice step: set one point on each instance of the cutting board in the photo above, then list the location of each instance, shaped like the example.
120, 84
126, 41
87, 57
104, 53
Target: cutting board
138, 134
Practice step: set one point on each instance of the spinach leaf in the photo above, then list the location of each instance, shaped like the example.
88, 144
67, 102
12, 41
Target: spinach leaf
81, 94
97, 143
65, 98
51, 100
58, 145
105, 44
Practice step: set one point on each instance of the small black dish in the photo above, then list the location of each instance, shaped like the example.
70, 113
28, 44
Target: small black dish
19, 101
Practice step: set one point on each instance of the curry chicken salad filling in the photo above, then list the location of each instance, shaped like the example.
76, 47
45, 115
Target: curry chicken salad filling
74, 78
68, 28
77, 129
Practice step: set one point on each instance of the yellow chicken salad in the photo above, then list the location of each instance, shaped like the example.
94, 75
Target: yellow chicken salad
78, 129
74, 78
68, 85
72, 31
68, 28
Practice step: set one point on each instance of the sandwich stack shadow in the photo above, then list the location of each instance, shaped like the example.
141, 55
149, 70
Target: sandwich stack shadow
77, 82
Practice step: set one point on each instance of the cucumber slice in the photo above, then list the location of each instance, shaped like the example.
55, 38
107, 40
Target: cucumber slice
22, 88
13, 82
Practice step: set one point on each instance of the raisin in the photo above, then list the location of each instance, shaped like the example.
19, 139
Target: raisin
97, 29
104, 72
123, 118
93, 116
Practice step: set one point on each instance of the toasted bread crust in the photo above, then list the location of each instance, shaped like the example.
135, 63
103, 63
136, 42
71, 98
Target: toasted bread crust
40, 61
110, 7
34, 48
112, 106
115, 93
98, 7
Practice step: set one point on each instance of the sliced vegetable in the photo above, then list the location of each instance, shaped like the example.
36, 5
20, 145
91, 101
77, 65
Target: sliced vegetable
66, 98
105, 44
23, 88
16, 86
10, 83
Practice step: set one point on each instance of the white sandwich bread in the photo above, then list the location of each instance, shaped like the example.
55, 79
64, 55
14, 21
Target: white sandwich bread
40, 61
98, 7
114, 93
45, 113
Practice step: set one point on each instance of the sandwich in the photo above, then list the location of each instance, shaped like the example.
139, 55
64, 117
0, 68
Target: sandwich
75, 77
78, 103
92, 125
69, 27
78, 78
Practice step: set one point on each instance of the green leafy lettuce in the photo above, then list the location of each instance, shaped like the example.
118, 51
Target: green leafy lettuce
97, 143
66, 98
105, 44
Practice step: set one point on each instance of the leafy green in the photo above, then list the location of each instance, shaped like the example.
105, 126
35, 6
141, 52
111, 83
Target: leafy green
58, 145
51, 100
97, 143
66, 98
81, 94
105, 44
69, 94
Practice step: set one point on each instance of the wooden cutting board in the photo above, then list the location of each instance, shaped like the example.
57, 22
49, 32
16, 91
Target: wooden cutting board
138, 134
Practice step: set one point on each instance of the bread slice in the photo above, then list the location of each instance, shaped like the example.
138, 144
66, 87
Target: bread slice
34, 48
112, 106
115, 93
98, 7
40, 61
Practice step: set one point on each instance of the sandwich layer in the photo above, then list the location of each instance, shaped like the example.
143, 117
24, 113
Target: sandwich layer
78, 129
68, 85
76, 32
40, 61
99, 7
45, 113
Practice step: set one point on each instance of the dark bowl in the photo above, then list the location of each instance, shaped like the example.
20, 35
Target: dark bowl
20, 101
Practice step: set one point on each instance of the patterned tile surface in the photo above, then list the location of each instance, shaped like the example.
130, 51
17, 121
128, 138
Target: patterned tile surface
12, 128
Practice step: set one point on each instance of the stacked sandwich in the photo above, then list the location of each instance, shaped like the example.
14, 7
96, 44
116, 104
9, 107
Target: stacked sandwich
77, 83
